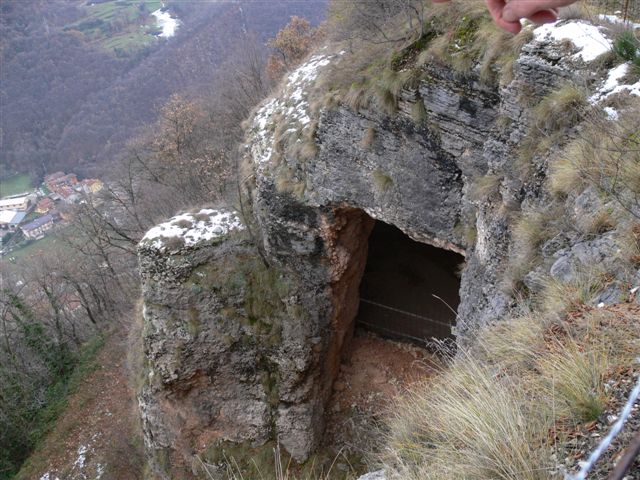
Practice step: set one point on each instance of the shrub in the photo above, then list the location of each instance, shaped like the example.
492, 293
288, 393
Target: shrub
290, 46
627, 46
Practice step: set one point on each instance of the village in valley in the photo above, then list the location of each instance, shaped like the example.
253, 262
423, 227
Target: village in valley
33, 215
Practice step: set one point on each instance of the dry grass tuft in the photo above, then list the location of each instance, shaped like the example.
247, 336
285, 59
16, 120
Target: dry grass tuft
381, 180
530, 230
535, 145
387, 101
485, 187
551, 119
368, 139
565, 176
288, 181
356, 97
576, 375
489, 414
419, 112
467, 231
629, 243
461, 36
507, 60
601, 221
559, 298
472, 424
606, 155
560, 110
514, 344
271, 462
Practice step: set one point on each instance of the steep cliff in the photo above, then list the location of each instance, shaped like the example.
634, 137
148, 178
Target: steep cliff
244, 341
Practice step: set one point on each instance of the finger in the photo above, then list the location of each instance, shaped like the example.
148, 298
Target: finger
517, 9
544, 16
496, 8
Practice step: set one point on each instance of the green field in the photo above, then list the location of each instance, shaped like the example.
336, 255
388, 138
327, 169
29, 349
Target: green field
124, 25
14, 185
46, 244
128, 41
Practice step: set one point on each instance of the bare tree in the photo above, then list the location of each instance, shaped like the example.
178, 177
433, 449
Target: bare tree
377, 21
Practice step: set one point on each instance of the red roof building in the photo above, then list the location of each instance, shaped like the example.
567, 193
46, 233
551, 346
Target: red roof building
45, 205
58, 180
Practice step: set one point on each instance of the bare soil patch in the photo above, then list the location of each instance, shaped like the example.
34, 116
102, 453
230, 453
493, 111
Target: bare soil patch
374, 372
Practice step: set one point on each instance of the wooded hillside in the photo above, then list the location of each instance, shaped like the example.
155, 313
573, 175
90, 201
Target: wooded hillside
70, 99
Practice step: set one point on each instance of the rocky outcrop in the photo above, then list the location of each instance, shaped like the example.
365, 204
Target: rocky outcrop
232, 353
243, 344
201, 357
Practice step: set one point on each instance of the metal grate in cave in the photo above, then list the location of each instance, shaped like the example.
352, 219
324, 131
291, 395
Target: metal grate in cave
410, 290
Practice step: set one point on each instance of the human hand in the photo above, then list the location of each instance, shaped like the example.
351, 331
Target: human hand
507, 14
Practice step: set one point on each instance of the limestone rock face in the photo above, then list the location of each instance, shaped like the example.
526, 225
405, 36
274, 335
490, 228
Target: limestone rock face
244, 333
201, 350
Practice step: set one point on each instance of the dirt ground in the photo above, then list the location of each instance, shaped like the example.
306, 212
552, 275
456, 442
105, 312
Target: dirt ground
97, 436
375, 371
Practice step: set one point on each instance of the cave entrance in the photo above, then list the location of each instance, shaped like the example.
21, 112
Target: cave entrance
410, 290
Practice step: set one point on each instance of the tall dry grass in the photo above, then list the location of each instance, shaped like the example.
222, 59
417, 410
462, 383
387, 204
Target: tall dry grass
491, 413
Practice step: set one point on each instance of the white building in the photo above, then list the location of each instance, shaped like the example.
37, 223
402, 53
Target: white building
19, 203
11, 219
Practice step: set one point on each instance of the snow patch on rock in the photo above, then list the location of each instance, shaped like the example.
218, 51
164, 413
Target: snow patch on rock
589, 40
292, 105
193, 228
82, 457
612, 113
612, 85
48, 476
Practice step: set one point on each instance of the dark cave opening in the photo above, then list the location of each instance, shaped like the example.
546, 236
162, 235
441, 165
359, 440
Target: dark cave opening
410, 290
